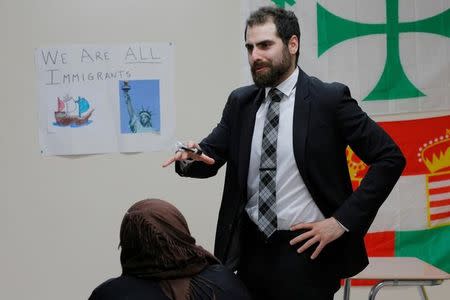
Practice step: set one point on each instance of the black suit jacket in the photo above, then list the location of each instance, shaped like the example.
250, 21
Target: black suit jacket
326, 120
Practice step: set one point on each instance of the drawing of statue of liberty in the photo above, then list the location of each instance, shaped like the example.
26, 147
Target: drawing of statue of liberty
140, 121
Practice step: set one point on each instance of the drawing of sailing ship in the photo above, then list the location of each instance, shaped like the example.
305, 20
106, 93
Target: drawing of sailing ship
73, 112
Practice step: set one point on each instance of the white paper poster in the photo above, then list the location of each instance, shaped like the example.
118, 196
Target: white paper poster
105, 98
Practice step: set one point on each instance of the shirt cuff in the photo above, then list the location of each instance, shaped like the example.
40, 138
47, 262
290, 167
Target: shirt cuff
340, 224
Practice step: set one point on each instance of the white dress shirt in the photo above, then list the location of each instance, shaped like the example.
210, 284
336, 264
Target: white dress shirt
294, 203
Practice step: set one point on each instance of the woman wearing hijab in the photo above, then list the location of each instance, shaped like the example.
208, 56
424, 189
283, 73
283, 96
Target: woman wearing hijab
161, 261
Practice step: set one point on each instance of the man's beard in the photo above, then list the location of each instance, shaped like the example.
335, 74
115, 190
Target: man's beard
277, 71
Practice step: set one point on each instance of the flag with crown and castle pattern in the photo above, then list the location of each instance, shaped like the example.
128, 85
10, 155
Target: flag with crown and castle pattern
394, 56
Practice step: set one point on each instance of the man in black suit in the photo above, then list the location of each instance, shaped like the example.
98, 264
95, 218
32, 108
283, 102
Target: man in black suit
289, 222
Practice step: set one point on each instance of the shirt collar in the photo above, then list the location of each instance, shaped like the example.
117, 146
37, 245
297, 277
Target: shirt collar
287, 86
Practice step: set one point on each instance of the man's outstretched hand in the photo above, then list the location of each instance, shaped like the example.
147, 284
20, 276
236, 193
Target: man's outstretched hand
181, 155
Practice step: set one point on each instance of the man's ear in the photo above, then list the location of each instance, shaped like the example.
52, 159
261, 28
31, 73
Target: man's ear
293, 44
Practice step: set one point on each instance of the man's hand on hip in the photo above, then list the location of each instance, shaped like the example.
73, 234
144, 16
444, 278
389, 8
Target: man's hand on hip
321, 232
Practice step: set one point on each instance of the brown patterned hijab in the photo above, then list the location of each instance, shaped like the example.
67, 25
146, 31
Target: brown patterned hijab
156, 244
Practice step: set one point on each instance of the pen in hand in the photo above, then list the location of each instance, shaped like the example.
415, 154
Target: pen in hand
194, 150
189, 152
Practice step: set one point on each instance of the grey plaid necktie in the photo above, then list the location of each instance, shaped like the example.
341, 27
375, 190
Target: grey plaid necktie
267, 216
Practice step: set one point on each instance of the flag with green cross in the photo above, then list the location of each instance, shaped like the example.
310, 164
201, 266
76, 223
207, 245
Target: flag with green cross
395, 57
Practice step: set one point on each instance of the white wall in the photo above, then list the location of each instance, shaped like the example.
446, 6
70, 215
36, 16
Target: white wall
60, 216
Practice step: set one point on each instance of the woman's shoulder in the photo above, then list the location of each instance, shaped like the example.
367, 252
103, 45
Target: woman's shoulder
227, 284
217, 269
127, 287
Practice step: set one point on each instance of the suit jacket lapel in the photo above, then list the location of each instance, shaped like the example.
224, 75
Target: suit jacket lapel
245, 143
301, 121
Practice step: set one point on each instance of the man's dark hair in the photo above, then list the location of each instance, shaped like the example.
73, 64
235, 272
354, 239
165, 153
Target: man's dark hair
285, 22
